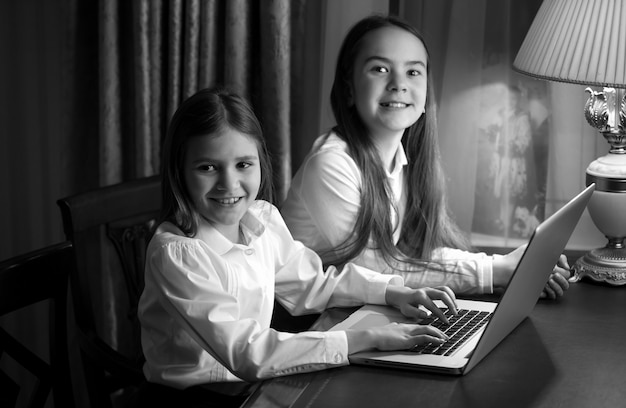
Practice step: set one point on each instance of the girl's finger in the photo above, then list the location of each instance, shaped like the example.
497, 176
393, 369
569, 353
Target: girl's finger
430, 305
426, 330
410, 310
563, 262
549, 292
448, 298
556, 287
561, 281
424, 338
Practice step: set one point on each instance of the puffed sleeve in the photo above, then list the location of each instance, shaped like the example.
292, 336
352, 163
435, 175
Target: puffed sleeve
326, 200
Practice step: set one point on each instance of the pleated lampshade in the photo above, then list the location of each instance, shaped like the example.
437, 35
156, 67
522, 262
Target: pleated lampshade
577, 41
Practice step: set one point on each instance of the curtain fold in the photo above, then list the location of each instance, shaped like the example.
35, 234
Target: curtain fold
209, 51
174, 55
237, 50
141, 38
155, 69
109, 142
276, 89
191, 49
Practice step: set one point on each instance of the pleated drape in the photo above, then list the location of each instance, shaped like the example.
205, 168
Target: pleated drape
155, 53
109, 125
275, 88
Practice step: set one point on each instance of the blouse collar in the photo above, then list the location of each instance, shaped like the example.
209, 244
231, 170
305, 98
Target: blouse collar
400, 161
251, 224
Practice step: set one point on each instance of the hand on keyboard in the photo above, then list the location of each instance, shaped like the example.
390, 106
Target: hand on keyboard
409, 301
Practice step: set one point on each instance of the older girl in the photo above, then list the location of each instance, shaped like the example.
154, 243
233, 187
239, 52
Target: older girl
372, 191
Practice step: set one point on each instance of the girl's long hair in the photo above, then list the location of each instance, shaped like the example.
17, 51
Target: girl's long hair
427, 224
206, 113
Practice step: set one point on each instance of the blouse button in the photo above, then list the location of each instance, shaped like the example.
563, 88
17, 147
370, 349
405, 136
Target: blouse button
338, 358
249, 251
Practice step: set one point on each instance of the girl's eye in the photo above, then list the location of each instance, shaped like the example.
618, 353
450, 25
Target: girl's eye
244, 165
382, 70
206, 167
415, 72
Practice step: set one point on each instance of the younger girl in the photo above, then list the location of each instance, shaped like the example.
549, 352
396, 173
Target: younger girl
371, 191
221, 254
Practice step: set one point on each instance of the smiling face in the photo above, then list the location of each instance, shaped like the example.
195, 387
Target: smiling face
222, 175
389, 83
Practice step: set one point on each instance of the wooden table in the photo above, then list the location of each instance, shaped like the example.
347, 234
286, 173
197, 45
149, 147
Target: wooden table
568, 353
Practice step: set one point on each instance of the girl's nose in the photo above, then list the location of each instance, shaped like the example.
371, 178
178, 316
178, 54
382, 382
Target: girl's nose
397, 84
228, 181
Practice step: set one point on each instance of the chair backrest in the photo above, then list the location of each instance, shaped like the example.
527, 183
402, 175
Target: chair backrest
110, 228
26, 280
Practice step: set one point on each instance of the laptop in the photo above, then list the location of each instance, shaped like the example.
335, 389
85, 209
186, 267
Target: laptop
483, 324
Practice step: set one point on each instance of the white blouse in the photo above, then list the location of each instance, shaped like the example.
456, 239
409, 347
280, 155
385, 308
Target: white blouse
322, 206
207, 304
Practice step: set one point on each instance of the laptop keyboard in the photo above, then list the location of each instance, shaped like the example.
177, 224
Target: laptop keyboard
461, 327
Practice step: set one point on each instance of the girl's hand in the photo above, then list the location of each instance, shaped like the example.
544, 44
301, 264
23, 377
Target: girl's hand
558, 282
394, 336
409, 300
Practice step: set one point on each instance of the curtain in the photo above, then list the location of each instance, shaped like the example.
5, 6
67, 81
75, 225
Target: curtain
514, 149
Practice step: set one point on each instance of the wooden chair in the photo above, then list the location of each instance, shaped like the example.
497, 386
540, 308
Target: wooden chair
26, 280
110, 228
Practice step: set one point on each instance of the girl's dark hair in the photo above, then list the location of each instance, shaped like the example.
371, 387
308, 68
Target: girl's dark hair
427, 224
206, 113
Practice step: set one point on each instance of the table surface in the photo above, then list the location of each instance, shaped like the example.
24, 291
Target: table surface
568, 353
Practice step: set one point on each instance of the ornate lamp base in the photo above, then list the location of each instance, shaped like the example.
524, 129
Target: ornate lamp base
606, 111
602, 265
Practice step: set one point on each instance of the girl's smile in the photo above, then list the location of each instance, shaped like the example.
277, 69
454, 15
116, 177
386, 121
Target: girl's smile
223, 175
394, 104
227, 201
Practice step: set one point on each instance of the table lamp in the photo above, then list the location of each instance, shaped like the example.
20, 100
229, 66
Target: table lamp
584, 42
